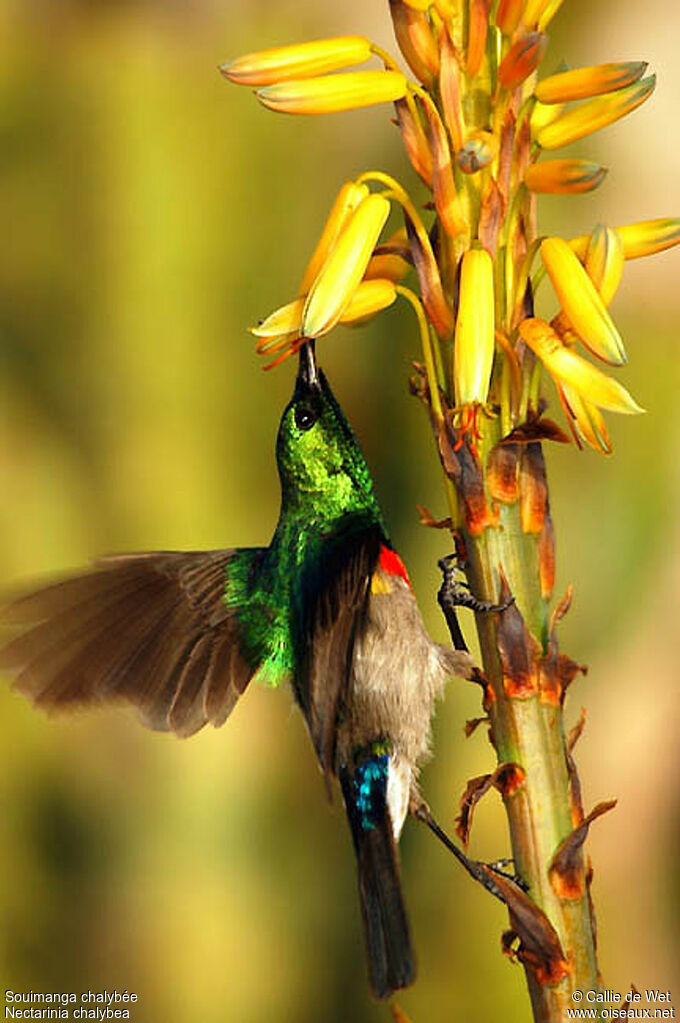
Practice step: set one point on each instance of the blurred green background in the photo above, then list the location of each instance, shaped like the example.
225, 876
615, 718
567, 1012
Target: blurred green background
150, 213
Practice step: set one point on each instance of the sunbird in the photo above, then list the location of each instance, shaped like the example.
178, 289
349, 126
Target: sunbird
327, 606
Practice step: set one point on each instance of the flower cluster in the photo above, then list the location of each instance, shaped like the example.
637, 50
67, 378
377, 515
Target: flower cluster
475, 123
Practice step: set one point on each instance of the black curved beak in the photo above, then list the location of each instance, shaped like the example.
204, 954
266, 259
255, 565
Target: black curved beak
308, 373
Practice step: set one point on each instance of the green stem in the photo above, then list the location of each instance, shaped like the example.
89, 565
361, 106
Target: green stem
529, 731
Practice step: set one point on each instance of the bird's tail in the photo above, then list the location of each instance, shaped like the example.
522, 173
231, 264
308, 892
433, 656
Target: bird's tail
391, 963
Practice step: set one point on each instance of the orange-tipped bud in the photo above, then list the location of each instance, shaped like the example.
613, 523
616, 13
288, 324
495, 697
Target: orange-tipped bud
415, 140
449, 88
341, 274
474, 339
583, 82
508, 15
581, 302
332, 93
446, 198
567, 367
595, 114
478, 24
388, 266
649, 236
564, 177
604, 261
303, 60
522, 59
347, 200
416, 40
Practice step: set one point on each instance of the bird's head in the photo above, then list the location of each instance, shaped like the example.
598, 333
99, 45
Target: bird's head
322, 468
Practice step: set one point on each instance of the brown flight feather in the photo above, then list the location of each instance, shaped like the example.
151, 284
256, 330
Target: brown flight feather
151, 629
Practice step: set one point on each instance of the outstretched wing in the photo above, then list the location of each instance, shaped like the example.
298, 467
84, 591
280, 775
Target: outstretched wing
335, 592
150, 629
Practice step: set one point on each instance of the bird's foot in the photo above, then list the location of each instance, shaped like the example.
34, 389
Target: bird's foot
498, 867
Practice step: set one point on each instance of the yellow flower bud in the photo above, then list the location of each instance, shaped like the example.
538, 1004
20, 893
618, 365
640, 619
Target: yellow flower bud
567, 367
595, 114
341, 274
347, 200
474, 339
539, 13
581, 302
302, 60
649, 236
542, 115
564, 177
604, 261
331, 93
582, 82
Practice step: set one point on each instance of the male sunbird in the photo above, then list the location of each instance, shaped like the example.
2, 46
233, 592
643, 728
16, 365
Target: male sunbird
327, 606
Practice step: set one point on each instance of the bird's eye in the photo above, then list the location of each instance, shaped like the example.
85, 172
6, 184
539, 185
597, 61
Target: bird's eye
305, 417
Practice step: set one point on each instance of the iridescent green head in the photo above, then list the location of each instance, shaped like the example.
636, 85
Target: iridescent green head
323, 473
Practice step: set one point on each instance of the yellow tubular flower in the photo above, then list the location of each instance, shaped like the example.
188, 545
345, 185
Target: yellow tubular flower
587, 420
348, 198
340, 275
371, 297
649, 236
332, 93
389, 266
571, 369
581, 302
604, 261
474, 338
418, 5
281, 322
508, 15
582, 82
595, 114
565, 177
302, 60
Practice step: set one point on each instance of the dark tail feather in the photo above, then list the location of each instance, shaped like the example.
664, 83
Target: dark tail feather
391, 962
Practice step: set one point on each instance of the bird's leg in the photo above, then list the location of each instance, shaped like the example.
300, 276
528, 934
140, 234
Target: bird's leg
453, 593
479, 871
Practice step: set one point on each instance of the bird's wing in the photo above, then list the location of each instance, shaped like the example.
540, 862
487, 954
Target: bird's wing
336, 588
150, 629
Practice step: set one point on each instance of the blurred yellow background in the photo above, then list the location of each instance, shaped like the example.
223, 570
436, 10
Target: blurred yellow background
150, 213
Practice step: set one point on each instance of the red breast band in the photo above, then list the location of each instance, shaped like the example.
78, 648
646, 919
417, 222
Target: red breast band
391, 564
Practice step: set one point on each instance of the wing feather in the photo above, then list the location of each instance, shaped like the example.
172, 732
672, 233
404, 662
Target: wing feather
151, 629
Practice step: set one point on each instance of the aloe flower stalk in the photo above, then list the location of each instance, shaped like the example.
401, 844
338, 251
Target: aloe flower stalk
475, 121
